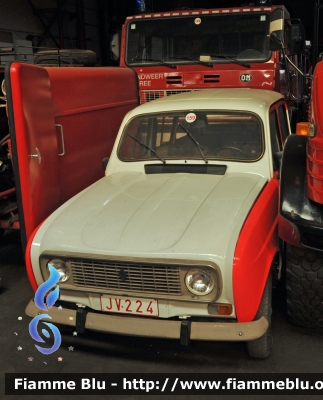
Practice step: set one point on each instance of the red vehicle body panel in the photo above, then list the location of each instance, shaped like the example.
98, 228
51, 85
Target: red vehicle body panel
255, 250
264, 76
34, 135
315, 145
86, 102
90, 106
288, 232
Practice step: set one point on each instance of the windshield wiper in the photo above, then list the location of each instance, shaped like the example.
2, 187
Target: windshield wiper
196, 142
160, 62
149, 148
231, 59
196, 60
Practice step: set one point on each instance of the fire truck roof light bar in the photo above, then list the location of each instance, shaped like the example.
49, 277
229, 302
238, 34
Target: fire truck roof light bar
199, 12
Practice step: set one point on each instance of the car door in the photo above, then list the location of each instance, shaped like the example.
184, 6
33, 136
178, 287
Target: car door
34, 144
62, 122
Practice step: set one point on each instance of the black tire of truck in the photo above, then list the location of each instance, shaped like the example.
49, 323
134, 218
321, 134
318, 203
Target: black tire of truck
262, 347
86, 58
304, 287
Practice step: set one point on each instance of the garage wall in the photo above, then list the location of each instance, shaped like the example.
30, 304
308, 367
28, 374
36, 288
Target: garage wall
17, 18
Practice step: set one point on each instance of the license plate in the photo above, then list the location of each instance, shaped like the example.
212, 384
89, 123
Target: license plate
126, 305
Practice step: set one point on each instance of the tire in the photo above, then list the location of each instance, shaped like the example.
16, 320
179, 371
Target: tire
304, 287
262, 347
63, 57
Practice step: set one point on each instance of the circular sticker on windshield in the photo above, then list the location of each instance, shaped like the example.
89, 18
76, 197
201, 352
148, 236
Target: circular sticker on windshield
190, 117
197, 21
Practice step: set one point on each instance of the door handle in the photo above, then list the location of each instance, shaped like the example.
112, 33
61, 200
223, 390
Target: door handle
37, 155
62, 138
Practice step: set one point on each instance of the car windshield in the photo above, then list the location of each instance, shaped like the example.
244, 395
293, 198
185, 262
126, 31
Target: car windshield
214, 38
202, 135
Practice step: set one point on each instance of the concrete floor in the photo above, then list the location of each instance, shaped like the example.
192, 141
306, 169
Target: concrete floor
295, 350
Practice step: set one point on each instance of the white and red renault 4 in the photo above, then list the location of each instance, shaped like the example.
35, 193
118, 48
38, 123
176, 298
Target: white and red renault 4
179, 239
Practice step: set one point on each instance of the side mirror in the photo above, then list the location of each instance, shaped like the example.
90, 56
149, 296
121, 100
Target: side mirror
105, 163
275, 43
296, 39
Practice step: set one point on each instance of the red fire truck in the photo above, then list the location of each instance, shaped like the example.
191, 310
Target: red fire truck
301, 213
194, 49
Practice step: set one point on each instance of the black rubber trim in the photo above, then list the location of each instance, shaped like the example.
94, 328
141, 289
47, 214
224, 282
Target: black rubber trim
209, 169
304, 214
80, 319
185, 332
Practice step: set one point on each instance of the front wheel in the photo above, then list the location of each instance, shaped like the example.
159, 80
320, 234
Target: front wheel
304, 287
261, 348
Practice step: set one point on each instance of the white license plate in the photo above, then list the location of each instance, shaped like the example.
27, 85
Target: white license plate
126, 305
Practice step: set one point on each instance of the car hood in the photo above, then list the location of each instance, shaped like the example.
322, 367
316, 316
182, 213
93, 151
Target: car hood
159, 215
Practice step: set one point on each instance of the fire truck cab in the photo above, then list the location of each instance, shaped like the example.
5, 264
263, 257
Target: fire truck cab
186, 50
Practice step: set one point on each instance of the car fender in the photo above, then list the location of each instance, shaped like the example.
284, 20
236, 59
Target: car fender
29, 267
255, 250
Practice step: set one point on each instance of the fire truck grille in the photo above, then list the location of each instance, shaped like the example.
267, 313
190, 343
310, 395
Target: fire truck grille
211, 78
174, 80
130, 277
147, 95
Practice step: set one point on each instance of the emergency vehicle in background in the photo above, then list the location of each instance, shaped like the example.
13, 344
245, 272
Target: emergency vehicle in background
301, 213
195, 49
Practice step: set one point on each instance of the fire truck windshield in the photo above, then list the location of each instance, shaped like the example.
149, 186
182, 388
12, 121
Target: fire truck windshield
216, 38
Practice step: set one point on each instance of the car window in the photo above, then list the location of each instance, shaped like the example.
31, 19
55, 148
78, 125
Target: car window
211, 135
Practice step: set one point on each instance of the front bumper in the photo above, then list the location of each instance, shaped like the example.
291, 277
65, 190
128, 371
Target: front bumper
154, 327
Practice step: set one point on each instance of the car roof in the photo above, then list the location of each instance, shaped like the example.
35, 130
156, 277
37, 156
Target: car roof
242, 99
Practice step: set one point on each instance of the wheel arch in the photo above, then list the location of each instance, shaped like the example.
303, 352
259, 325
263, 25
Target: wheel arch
300, 222
292, 188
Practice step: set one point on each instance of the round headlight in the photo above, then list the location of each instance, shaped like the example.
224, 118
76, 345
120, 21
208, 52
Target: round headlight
199, 282
61, 267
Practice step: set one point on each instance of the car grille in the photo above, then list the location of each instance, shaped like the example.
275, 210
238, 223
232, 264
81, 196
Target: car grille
152, 278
